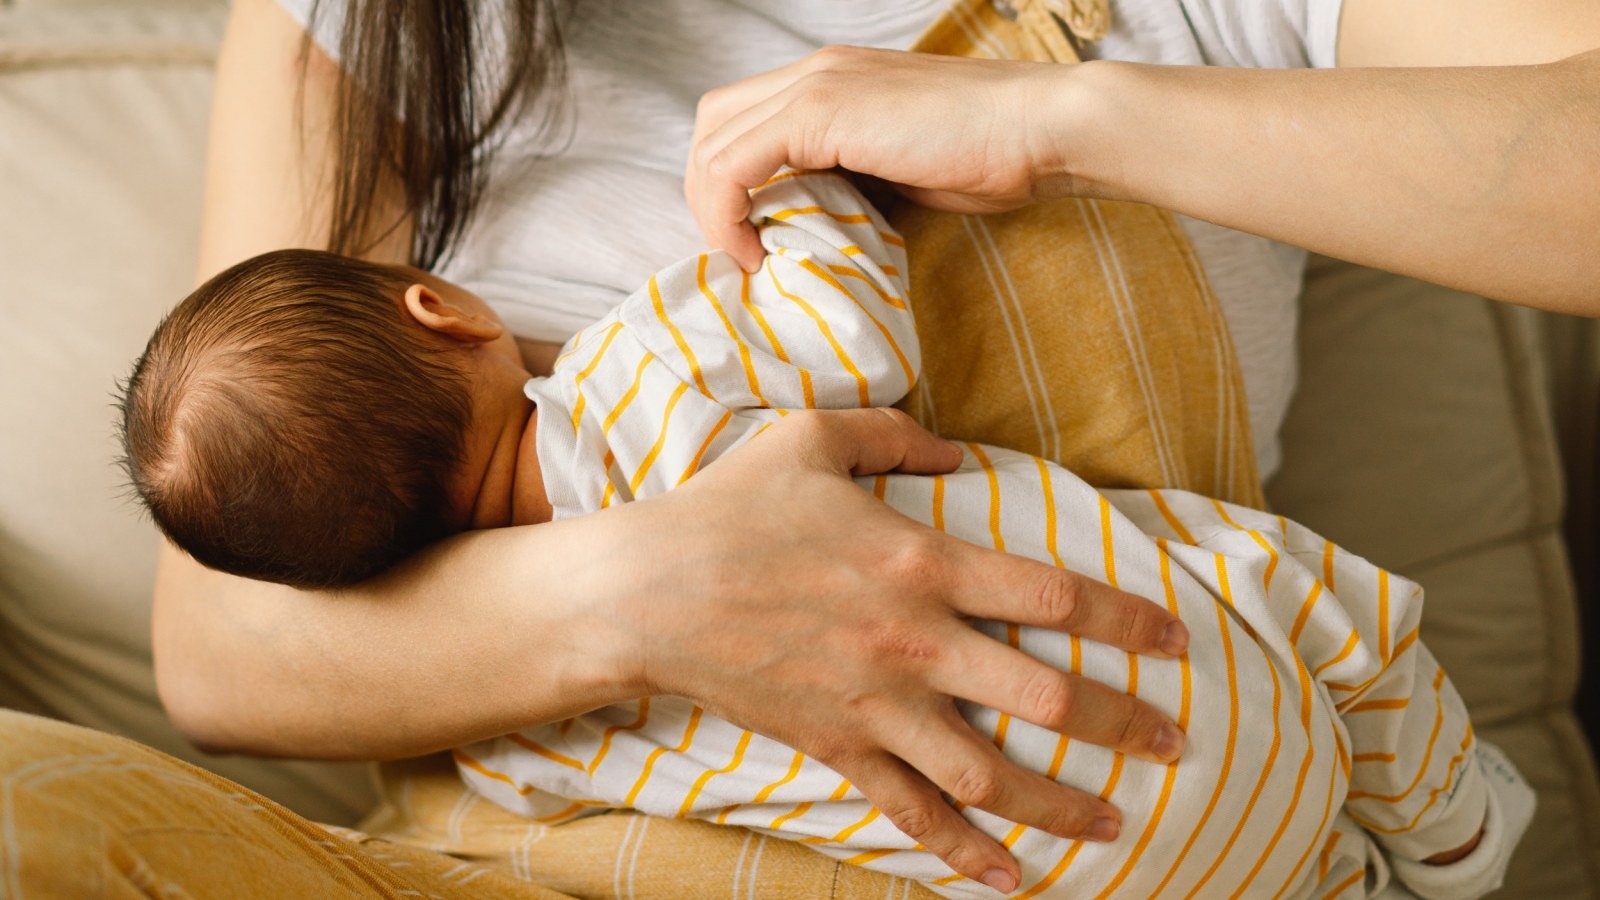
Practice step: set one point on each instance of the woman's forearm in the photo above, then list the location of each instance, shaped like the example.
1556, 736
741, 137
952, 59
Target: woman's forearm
1482, 179
480, 636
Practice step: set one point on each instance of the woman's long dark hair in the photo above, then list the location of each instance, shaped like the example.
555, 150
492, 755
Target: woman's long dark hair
419, 107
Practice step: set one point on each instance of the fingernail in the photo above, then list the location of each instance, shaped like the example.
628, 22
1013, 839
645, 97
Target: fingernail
1169, 743
1104, 830
957, 448
1175, 639
1000, 880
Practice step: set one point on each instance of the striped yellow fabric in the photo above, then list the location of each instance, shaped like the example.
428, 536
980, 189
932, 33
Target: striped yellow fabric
1300, 705
706, 354
88, 814
1083, 331
1374, 747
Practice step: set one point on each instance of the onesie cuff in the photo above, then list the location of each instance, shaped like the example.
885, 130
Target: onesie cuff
1509, 808
1451, 820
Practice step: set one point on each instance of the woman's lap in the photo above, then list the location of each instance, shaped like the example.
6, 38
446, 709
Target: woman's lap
89, 814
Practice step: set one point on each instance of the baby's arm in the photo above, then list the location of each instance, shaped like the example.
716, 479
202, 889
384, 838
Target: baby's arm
1446, 809
824, 323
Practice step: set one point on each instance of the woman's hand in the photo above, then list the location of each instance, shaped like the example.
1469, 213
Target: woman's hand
838, 626
966, 135
1478, 175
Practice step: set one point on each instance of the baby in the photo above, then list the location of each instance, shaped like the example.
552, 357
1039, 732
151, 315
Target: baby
310, 419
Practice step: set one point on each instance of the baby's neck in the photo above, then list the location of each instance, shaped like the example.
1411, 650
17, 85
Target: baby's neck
530, 503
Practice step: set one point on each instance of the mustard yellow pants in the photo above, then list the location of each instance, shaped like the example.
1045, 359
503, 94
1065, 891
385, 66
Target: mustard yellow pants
86, 814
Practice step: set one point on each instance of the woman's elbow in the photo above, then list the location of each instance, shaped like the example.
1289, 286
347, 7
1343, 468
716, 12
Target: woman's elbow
196, 707
197, 676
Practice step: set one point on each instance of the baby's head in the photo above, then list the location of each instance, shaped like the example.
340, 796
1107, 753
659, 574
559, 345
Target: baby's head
293, 421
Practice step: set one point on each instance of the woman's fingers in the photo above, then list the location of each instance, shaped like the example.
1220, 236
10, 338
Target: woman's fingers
719, 105
915, 806
882, 113
719, 195
994, 675
992, 585
974, 773
740, 155
850, 643
936, 754
853, 442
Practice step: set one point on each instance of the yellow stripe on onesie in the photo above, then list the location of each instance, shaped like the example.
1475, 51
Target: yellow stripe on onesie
1321, 733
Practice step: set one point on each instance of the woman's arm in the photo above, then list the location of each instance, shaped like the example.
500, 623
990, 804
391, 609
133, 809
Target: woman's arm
269, 155
237, 662
846, 643
1480, 177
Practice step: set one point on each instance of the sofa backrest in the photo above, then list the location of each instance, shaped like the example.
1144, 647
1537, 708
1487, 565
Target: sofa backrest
101, 153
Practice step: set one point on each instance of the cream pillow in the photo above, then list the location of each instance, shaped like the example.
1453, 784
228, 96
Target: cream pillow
1422, 438
100, 168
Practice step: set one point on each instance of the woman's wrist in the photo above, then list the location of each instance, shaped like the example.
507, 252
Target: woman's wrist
570, 595
1076, 136
607, 640
647, 611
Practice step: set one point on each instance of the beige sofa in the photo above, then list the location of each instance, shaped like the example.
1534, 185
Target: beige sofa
1429, 431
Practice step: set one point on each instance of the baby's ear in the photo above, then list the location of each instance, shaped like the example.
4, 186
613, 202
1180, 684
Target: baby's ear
433, 312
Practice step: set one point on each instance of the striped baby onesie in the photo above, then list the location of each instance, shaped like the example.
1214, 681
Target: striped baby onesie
1323, 738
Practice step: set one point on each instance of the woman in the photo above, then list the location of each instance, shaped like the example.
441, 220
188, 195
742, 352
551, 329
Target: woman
1454, 199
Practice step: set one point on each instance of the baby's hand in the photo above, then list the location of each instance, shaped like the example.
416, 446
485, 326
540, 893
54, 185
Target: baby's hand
1450, 856
1478, 866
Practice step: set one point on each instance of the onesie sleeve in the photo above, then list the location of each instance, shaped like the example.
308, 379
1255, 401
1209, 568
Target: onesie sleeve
1418, 783
1510, 809
1415, 781
824, 323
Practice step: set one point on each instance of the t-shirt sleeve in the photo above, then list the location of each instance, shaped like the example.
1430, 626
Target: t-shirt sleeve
322, 19
1267, 34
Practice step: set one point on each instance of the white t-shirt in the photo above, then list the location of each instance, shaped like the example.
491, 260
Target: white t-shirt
577, 218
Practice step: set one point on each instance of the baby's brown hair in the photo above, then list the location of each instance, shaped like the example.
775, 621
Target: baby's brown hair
289, 422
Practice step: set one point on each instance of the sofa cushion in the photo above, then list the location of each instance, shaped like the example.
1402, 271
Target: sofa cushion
1422, 438
100, 168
